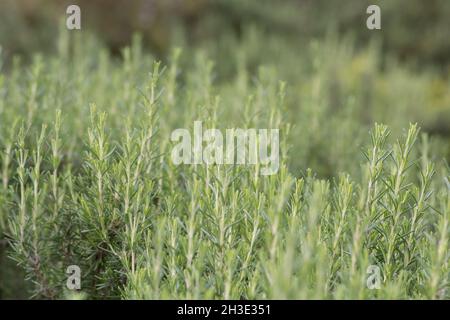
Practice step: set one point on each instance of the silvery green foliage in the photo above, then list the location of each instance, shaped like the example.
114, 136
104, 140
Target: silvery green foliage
87, 181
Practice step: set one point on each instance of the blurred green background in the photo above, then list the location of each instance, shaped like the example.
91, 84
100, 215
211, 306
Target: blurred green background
396, 75
415, 31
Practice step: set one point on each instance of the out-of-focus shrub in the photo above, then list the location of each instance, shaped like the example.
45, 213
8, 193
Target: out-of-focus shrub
413, 30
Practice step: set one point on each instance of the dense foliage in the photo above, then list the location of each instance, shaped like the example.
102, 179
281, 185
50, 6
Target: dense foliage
87, 178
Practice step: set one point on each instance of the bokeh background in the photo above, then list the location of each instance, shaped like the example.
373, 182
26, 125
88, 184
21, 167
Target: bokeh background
413, 30
415, 36
339, 73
